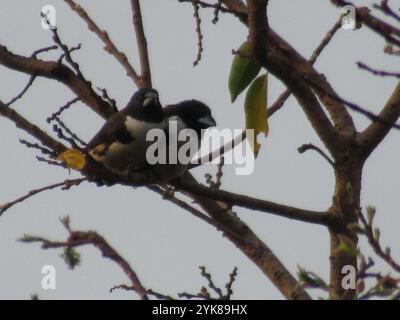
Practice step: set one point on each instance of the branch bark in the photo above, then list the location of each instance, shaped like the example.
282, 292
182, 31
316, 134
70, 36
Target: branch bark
59, 72
145, 77
81, 238
234, 199
251, 245
109, 45
373, 135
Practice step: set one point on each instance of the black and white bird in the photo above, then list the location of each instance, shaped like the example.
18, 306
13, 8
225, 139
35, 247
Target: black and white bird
121, 142
189, 119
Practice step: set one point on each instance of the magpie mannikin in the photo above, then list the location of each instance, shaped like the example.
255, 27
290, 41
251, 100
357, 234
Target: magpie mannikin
121, 142
189, 114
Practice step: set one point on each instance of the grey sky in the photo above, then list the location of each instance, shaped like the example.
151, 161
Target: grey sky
164, 244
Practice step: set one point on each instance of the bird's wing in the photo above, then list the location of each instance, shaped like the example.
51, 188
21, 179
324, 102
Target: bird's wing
114, 130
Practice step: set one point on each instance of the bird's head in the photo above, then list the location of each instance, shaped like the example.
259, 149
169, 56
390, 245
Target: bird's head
194, 113
145, 102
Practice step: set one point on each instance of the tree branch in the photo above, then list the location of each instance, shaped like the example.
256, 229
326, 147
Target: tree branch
372, 136
59, 72
305, 147
387, 31
109, 45
65, 185
286, 64
145, 77
30, 128
81, 238
234, 199
280, 101
252, 246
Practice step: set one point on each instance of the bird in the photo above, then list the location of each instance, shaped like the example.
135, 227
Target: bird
188, 114
121, 142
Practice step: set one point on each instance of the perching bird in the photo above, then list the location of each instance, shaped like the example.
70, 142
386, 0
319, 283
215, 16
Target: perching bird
189, 114
121, 142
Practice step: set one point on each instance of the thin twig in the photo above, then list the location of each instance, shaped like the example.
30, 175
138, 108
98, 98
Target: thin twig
373, 239
228, 286
32, 77
52, 162
217, 9
73, 135
384, 7
61, 135
80, 238
69, 50
196, 15
62, 109
65, 49
376, 72
211, 284
65, 185
109, 45
305, 147
39, 147
24, 90
180, 203
36, 52
204, 4
106, 97
145, 76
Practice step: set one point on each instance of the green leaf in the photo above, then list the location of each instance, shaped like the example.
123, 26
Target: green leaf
255, 107
371, 211
71, 257
348, 249
243, 71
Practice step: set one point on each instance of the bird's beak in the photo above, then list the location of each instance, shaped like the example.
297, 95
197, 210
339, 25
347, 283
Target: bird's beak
149, 98
207, 121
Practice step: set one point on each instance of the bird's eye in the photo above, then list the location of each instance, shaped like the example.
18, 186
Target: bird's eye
149, 98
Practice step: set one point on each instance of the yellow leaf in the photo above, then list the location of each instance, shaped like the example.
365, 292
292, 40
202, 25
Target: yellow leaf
73, 158
255, 107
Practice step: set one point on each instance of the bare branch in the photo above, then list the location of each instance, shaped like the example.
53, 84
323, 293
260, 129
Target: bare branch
370, 138
66, 185
145, 77
384, 7
290, 67
31, 129
32, 77
234, 199
62, 109
309, 146
252, 246
387, 31
196, 15
24, 90
59, 72
109, 45
380, 73
81, 238
373, 236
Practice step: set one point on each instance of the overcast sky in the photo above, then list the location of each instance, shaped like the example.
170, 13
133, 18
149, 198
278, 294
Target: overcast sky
164, 244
